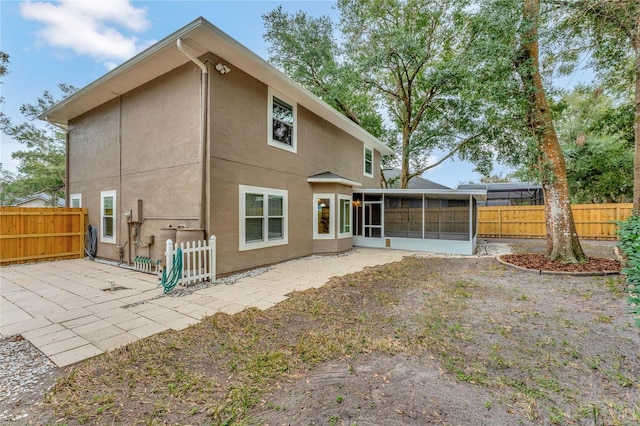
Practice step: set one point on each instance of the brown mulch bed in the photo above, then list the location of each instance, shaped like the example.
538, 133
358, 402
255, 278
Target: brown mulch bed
539, 262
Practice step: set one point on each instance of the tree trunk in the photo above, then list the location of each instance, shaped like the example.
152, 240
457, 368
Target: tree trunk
562, 240
404, 169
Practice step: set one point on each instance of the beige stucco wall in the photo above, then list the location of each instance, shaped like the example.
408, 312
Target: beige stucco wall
240, 155
145, 145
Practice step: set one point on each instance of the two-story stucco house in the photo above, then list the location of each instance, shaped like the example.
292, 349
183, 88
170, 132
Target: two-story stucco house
199, 132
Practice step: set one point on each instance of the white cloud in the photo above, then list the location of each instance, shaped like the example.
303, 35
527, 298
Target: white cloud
88, 27
432, 159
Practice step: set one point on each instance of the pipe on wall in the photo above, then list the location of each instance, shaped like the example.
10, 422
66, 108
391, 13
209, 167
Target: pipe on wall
203, 131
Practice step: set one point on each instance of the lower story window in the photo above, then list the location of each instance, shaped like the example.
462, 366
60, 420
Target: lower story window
323, 213
344, 223
263, 217
108, 217
75, 200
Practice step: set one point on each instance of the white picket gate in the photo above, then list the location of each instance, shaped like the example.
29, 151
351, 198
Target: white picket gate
198, 260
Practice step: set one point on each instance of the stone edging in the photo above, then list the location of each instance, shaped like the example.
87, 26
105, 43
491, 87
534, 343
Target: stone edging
569, 274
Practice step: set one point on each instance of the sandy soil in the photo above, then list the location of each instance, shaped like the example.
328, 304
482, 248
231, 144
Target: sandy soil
547, 350
476, 343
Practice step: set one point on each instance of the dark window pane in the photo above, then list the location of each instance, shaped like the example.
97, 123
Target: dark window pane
282, 132
368, 161
282, 122
107, 227
324, 215
108, 206
253, 204
275, 228
276, 205
345, 216
253, 229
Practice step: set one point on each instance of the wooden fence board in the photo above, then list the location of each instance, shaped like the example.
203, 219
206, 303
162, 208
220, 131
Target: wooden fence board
31, 234
593, 221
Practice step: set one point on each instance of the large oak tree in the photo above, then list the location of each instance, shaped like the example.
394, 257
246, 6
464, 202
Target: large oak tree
608, 31
401, 70
562, 238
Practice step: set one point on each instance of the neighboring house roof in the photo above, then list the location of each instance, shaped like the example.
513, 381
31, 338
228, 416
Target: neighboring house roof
392, 177
502, 193
200, 36
329, 177
41, 196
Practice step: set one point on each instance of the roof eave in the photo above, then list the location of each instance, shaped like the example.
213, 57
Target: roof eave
49, 114
477, 194
246, 60
341, 181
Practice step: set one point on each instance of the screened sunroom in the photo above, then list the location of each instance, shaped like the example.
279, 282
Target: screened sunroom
441, 221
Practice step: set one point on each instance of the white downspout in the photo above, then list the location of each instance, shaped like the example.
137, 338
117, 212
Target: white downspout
203, 119
64, 129
189, 55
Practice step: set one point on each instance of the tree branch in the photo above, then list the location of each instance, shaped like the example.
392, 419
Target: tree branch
443, 159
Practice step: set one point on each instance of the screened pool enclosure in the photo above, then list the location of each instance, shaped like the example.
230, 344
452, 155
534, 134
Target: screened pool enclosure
441, 221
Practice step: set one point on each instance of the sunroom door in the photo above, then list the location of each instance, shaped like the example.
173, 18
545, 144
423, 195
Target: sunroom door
372, 219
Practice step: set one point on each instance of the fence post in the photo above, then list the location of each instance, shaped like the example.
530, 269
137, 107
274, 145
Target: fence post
168, 253
499, 222
83, 231
212, 258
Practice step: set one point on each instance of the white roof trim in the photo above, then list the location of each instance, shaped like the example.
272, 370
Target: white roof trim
478, 194
201, 36
342, 181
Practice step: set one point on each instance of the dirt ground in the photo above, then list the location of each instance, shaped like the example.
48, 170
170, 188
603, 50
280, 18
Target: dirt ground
455, 341
546, 350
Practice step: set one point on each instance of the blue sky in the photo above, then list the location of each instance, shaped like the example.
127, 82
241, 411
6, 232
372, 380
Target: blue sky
78, 41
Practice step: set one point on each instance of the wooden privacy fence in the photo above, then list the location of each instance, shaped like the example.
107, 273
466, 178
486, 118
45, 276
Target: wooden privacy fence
33, 234
593, 221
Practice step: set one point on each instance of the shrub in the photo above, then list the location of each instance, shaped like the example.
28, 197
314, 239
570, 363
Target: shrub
629, 235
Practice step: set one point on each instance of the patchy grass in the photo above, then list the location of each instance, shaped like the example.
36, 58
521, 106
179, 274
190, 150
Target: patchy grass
542, 348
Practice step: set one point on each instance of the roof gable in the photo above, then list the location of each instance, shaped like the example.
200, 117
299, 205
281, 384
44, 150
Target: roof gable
200, 36
393, 175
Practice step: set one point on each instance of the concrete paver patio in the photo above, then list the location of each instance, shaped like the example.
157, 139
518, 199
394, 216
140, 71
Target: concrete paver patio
64, 308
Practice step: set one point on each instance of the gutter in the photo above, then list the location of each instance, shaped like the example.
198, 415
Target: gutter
203, 132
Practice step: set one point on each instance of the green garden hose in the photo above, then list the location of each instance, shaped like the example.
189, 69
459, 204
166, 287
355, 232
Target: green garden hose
169, 282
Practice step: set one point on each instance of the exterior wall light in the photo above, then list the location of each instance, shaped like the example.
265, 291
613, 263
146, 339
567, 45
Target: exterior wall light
222, 69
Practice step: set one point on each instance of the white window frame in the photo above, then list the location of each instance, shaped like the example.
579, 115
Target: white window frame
349, 200
364, 160
266, 242
294, 134
332, 217
73, 197
104, 238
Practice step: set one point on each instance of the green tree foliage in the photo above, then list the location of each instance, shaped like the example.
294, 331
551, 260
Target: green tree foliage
305, 49
597, 141
611, 29
511, 37
409, 61
41, 166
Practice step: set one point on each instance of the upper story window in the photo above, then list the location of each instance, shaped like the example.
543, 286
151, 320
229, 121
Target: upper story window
108, 217
368, 161
282, 122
